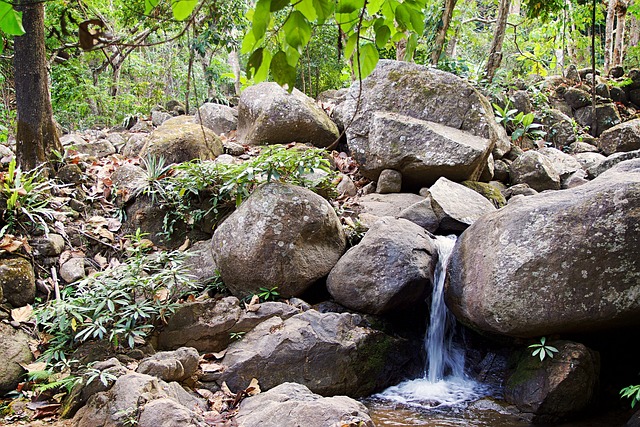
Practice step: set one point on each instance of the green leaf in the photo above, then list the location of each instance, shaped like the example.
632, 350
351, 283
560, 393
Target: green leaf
403, 16
347, 6
283, 73
306, 8
369, 57
261, 18
10, 20
324, 9
374, 6
277, 5
412, 44
254, 62
417, 20
263, 72
297, 30
350, 46
149, 5
249, 42
182, 9
383, 34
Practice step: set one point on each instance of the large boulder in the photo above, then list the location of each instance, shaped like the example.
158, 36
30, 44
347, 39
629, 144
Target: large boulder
609, 162
423, 122
268, 114
292, 404
555, 388
559, 262
179, 141
389, 270
177, 365
14, 350
536, 170
207, 325
17, 281
372, 207
622, 137
330, 353
284, 236
219, 118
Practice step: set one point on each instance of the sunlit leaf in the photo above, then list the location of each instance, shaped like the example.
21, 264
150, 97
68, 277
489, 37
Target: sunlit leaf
149, 5
297, 30
383, 34
261, 18
369, 57
306, 8
283, 73
182, 9
10, 20
324, 9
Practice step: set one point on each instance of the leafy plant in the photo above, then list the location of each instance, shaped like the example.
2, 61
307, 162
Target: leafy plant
156, 171
268, 294
632, 392
27, 199
505, 116
55, 377
236, 336
104, 376
542, 349
121, 304
525, 127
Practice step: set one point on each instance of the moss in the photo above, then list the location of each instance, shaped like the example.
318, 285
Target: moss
488, 191
372, 362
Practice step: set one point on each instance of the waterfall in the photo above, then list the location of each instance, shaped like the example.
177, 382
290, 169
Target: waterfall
444, 382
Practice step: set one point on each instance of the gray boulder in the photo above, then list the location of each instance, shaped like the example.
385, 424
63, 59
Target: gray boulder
389, 181
558, 262
457, 206
200, 265
536, 170
607, 116
128, 179
17, 281
177, 365
134, 145
284, 236
609, 162
422, 213
556, 388
179, 141
372, 207
159, 117
330, 353
577, 98
165, 412
622, 137
422, 122
292, 404
588, 160
559, 127
268, 114
14, 350
207, 325
389, 270
219, 118
563, 163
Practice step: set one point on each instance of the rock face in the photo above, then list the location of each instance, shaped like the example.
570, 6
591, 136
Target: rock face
422, 122
207, 325
17, 281
536, 170
175, 365
284, 236
623, 137
268, 114
179, 141
14, 349
557, 387
390, 269
291, 404
457, 206
609, 162
520, 271
219, 118
333, 354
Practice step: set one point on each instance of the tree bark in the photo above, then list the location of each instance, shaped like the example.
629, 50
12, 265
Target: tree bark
495, 51
608, 34
36, 135
618, 45
447, 13
634, 31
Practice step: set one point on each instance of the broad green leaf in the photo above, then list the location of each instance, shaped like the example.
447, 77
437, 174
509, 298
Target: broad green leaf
383, 34
182, 8
10, 20
417, 20
324, 9
374, 6
403, 16
348, 6
277, 5
149, 5
261, 18
249, 42
293, 55
412, 44
351, 45
369, 57
262, 73
306, 8
283, 73
254, 62
389, 9
297, 30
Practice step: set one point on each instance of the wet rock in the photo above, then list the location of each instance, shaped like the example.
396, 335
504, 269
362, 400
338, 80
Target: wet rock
291, 404
536, 170
519, 271
268, 114
623, 137
389, 181
389, 270
14, 350
17, 280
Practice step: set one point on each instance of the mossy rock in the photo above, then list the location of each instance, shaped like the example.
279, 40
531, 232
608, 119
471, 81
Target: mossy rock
17, 281
488, 191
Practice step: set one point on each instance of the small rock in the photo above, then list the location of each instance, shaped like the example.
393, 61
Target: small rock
14, 350
422, 213
346, 186
576, 179
159, 117
389, 181
72, 270
232, 148
48, 246
17, 280
582, 147
616, 72
536, 170
175, 365
519, 190
70, 174
501, 171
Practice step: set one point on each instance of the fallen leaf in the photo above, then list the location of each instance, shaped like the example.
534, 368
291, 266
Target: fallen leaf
10, 243
254, 304
102, 261
211, 367
114, 224
35, 366
22, 314
185, 245
98, 221
254, 388
207, 394
161, 295
103, 232
47, 411
225, 389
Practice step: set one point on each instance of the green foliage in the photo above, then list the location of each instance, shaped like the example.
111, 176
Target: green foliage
268, 294
542, 349
236, 336
104, 377
10, 20
56, 377
225, 186
519, 125
156, 170
121, 304
632, 392
26, 199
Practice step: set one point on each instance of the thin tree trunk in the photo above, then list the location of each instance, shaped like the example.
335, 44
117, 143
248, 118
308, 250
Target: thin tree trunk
36, 135
235, 66
594, 119
618, 45
495, 51
570, 48
634, 31
608, 37
447, 13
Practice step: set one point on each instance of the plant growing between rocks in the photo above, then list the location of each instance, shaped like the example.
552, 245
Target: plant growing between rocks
542, 349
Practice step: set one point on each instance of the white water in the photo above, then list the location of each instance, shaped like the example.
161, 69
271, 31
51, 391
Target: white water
444, 382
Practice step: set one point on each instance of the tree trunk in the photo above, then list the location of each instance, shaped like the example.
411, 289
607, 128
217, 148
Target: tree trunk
495, 51
618, 45
36, 134
608, 37
447, 13
634, 31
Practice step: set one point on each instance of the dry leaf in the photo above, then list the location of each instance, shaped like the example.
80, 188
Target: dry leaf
10, 243
220, 354
254, 304
102, 261
22, 314
35, 366
185, 245
207, 394
211, 367
225, 389
254, 388
98, 221
103, 232
114, 224
161, 295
